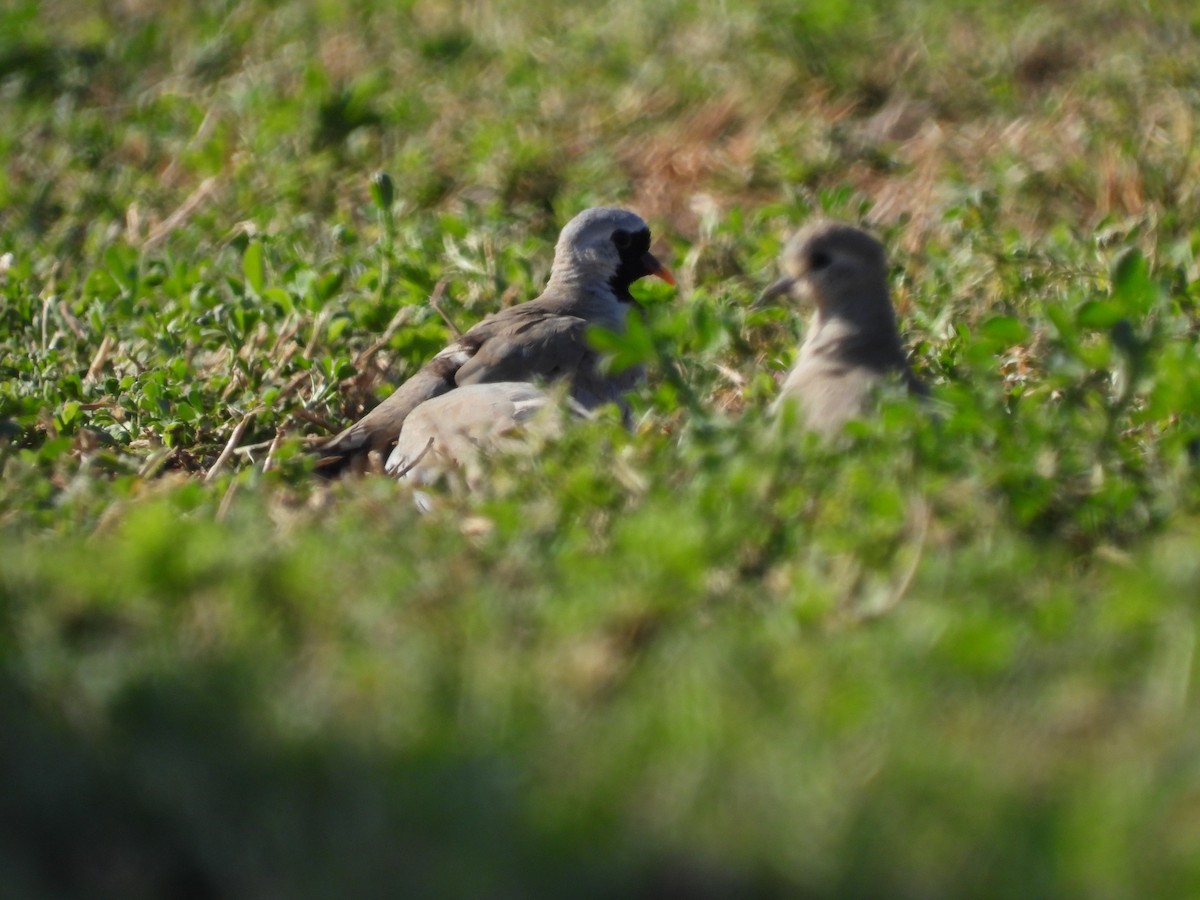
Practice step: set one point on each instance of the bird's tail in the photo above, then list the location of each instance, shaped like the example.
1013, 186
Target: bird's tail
365, 445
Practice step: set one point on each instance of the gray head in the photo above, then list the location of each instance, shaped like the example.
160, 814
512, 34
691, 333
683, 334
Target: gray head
609, 246
840, 268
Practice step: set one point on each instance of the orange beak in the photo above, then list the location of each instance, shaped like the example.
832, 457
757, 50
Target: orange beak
654, 267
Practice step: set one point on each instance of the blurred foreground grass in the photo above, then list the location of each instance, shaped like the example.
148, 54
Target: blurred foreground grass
950, 656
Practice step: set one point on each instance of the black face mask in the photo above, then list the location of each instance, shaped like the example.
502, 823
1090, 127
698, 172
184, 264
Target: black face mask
637, 261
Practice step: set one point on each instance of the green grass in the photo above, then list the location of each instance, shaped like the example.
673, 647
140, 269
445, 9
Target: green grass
951, 655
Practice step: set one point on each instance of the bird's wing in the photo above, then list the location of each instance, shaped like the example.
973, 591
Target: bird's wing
536, 345
451, 430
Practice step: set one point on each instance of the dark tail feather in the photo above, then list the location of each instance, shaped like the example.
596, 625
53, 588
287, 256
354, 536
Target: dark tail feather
348, 453
364, 446
915, 385
332, 466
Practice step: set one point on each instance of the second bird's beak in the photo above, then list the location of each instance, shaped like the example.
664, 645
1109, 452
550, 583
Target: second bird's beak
783, 286
654, 267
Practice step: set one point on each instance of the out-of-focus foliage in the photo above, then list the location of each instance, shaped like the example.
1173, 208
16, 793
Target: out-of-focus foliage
949, 654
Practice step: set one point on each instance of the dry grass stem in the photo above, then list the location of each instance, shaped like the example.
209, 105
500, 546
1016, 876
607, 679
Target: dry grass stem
234, 439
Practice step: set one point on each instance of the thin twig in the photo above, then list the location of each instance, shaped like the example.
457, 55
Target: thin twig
906, 581
227, 500
309, 416
280, 353
259, 338
180, 215
133, 223
290, 388
72, 322
412, 465
157, 460
510, 296
238, 380
734, 376
100, 359
286, 334
234, 438
435, 300
249, 449
46, 302
401, 316
322, 317
276, 443
207, 124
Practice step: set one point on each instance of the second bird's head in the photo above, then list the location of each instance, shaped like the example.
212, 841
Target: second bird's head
606, 245
831, 264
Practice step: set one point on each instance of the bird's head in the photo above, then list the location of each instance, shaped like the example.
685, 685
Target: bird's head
605, 245
839, 268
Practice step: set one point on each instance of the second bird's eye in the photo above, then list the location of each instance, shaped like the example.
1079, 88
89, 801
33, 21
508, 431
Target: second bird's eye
622, 239
819, 260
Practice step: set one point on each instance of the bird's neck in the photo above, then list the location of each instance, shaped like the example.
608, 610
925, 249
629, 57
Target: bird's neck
589, 297
846, 330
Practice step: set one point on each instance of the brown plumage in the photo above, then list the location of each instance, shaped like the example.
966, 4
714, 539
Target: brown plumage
599, 254
852, 343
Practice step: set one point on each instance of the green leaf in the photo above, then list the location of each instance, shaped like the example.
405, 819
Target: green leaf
1133, 290
53, 448
329, 284
1004, 329
254, 267
282, 297
1097, 314
1063, 323
633, 347
706, 327
336, 328
383, 191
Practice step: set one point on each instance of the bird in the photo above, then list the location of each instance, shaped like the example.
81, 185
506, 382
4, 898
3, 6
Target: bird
853, 344
599, 254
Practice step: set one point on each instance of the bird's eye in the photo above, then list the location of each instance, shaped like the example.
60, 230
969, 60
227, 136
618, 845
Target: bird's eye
819, 260
622, 239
